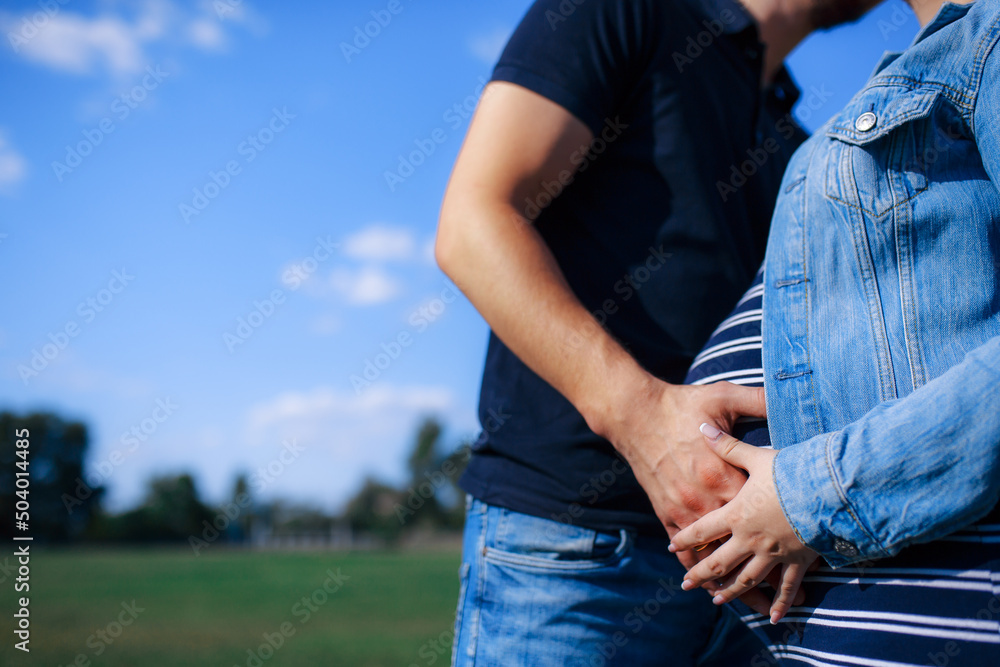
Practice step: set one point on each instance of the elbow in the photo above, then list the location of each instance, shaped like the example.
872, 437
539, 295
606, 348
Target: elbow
449, 242
444, 246
470, 230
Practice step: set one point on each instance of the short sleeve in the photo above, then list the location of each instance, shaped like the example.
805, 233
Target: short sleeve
586, 57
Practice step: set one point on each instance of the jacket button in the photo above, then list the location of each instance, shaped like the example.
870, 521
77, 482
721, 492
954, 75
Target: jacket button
845, 548
865, 121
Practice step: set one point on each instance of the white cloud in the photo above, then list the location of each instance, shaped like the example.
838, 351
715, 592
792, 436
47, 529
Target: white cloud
488, 46
206, 34
344, 437
12, 165
365, 278
71, 42
237, 11
381, 242
155, 18
325, 402
368, 286
361, 427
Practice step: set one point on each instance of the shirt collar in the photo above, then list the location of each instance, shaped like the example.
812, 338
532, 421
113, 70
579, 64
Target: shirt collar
784, 90
742, 19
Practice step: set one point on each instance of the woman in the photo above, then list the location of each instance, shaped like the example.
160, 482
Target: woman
881, 364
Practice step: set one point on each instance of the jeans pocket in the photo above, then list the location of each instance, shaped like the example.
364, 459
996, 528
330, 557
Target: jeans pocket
533, 542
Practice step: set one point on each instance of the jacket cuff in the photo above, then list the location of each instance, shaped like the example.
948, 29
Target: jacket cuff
816, 506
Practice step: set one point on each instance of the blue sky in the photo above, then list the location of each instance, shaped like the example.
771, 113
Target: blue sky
199, 240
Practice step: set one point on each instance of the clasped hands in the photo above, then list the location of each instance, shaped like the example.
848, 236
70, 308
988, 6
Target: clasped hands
694, 481
761, 544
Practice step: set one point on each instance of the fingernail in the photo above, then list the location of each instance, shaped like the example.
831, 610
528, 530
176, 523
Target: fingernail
687, 585
671, 548
718, 599
710, 431
775, 617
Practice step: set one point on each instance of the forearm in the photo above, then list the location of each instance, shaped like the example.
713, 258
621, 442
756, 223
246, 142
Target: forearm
911, 470
504, 267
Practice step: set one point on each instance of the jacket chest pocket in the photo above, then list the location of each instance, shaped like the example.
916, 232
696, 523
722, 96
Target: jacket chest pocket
878, 150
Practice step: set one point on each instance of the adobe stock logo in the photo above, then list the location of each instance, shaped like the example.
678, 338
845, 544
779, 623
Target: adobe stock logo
30, 25
566, 9
580, 159
250, 148
454, 116
419, 320
696, 45
265, 309
139, 433
121, 108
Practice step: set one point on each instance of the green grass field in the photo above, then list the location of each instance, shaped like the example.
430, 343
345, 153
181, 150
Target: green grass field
393, 608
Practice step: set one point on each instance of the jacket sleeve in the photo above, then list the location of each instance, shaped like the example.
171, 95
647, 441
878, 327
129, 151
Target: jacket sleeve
911, 470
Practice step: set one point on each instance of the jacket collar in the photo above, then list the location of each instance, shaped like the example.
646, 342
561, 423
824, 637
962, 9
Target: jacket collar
948, 14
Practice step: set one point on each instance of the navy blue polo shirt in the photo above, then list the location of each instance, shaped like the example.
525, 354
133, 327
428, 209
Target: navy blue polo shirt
658, 232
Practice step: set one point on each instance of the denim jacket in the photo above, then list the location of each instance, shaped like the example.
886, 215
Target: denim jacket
882, 302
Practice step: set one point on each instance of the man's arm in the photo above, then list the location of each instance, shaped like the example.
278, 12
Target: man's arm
517, 140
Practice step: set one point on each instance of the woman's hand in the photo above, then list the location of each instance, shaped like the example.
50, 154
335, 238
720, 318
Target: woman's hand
762, 538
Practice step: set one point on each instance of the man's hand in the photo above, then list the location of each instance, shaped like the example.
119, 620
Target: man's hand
657, 433
683, 479
687, 478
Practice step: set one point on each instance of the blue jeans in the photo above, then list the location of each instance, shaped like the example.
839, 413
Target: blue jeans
538, 592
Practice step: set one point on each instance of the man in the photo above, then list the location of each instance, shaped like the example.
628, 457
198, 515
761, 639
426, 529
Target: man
609, 205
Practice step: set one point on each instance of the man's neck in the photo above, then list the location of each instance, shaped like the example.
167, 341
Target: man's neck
782, 25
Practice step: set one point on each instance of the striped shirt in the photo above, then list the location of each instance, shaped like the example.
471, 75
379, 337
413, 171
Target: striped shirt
733, 354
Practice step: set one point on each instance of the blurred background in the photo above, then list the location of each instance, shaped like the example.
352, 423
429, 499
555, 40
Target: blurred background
247, 388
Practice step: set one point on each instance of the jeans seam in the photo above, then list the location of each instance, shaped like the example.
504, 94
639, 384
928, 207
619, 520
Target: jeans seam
477, 609
466, 569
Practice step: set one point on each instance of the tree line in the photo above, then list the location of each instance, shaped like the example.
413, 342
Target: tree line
63, 508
